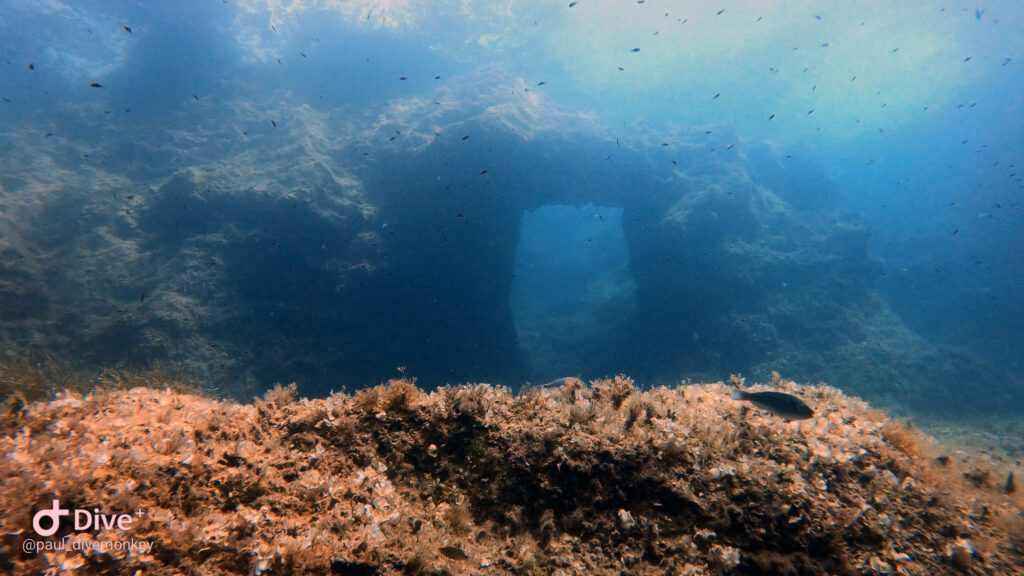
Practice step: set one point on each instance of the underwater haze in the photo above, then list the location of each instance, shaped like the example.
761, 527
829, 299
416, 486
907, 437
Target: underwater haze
329, 192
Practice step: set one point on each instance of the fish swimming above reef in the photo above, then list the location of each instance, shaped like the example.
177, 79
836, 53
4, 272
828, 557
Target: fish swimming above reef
779, 403
560, 382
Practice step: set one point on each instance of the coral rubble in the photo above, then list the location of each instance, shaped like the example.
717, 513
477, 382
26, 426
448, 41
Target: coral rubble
583, 479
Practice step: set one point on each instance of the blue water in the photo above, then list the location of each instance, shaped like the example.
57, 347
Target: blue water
518, 191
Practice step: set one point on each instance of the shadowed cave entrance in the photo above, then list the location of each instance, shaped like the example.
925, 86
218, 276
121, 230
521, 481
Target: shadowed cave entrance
573, 296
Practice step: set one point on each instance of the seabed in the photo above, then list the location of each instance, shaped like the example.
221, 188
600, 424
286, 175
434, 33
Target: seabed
586, 478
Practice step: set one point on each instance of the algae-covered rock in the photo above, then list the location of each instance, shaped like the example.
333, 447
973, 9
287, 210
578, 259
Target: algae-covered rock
584, 479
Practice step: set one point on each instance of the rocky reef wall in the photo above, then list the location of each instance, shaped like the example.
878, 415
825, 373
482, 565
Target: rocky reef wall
330, 248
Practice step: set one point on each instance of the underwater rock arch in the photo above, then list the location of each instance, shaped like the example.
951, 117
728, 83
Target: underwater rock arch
703, 233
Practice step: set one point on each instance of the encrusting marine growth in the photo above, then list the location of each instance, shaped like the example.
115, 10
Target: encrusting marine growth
578, 479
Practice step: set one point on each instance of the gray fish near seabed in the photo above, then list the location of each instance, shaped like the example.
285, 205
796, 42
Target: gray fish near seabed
781, 404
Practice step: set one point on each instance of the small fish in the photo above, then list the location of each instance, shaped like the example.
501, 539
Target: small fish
635, 50
95, 84
273, 123
781, 404
31, 66
127, 29
968, 59
719, 13
571, 4
466, 137
558, 382
438, 77
454, 553
772, 117
541, 83
717, 94
401, 77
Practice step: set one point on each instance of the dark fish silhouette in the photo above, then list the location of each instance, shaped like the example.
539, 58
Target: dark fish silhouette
781, 404
454, 553
127, 29
95, 84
